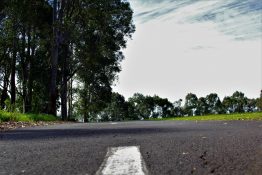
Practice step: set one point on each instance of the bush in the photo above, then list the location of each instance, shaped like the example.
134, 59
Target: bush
15, 116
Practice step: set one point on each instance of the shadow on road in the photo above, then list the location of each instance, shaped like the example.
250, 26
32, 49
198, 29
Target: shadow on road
30, 134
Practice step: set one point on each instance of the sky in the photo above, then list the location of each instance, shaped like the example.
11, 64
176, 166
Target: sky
197, 46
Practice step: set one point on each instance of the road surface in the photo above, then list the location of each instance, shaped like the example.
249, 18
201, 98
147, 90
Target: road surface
143, 147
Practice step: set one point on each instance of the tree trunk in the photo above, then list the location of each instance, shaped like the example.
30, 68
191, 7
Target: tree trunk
70, 98
30, 71
64, 84
85, 112
54, 64
64, 99
13, 70
26, 62
4, 94
24, 70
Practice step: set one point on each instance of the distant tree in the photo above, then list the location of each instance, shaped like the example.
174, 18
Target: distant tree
116, 110
162, 107
251, 105
177, 108
239, 101
191, 103
202, 106
143, 106
235, 103
259, 102
228, 104
214, 105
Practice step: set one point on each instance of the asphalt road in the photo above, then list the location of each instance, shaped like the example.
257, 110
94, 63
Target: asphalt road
167, 147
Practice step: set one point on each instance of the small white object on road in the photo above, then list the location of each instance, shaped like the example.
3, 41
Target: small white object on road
123, 160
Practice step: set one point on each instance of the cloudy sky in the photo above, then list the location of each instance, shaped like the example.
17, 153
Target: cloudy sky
198, 46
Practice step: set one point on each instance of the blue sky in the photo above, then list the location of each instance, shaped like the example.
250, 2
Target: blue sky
198, 46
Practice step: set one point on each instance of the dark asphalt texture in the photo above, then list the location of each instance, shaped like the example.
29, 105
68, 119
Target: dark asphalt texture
167, 147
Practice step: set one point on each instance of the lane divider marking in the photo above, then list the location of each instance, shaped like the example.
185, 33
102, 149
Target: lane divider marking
123, 161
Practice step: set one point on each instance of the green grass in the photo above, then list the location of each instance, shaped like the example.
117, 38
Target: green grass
241, 116
14, 116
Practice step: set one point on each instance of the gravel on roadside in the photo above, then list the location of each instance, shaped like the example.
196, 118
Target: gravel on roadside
6, 126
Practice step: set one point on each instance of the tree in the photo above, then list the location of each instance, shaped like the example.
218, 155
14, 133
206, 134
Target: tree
214, 105
162, 107
104, 29
239, 101
228, 104
5, 66
202, 106
259, 102
177, 108
191, 102
235, 103
57, 14
116, 110
22, 27
142, 109
150, 107
251, 105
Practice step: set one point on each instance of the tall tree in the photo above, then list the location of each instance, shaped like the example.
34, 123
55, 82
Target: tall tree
54, 60
104, 28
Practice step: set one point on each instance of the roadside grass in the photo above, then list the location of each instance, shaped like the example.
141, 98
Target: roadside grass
237, 116
16, 117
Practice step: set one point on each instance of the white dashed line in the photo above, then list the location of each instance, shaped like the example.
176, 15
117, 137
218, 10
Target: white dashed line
123, 161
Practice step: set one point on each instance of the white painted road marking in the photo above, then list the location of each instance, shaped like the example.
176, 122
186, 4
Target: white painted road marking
123, 161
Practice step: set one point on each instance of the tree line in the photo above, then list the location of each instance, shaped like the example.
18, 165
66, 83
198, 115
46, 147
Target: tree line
140, 107
55, 53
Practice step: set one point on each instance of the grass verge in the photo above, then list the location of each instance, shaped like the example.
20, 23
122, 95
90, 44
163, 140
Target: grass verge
16, 117
240, 116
